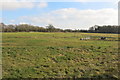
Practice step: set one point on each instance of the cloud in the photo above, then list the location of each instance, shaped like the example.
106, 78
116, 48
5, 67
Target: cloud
96, 0
17, 0
74, 18
75, 0
17, 4
0, 19
42, 4
23, 23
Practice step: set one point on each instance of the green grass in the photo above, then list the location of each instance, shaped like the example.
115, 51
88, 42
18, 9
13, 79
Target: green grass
59, 55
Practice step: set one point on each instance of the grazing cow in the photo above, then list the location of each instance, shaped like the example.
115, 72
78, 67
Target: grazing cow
85, 38
81, 39
103, 38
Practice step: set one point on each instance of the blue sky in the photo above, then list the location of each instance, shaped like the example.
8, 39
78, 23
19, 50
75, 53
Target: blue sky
74, 15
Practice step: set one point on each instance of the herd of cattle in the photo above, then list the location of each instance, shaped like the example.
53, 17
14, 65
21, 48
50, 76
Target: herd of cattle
87, 38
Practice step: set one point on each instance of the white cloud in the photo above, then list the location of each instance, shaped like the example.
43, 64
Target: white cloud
42, 4
12, 21
0, 19
75, 19
17, 4
23, 23
75, 0
95, 0
17, 0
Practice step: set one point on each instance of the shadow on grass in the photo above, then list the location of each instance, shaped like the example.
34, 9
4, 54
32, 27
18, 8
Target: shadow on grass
96, 77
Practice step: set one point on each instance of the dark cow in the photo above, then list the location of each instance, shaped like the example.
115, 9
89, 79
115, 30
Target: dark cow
103, 38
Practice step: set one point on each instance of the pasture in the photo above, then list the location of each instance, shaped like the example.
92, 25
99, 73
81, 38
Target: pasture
59, 55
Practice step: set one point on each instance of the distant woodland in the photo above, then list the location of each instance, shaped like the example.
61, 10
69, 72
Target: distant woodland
51, 28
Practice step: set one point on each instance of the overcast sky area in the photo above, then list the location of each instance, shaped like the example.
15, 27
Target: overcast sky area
66, 14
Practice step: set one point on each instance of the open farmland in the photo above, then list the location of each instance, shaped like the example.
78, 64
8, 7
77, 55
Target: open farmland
59, 55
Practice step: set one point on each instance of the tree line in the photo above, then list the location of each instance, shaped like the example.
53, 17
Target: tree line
104, 29
51, 28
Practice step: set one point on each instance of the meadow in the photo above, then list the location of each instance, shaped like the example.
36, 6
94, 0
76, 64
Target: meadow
59, 55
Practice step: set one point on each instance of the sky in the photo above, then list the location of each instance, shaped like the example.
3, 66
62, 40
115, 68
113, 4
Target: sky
67, 14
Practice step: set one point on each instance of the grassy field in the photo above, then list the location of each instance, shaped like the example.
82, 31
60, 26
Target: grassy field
59, 55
